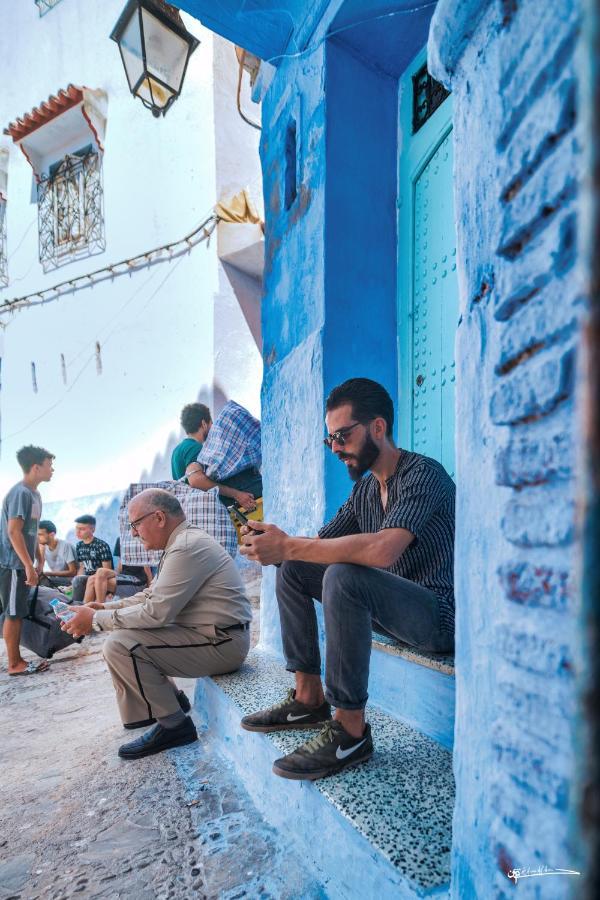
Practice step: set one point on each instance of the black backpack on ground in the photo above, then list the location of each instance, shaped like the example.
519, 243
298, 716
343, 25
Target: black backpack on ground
40, 630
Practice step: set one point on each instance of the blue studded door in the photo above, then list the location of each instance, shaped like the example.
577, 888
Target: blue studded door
428, 289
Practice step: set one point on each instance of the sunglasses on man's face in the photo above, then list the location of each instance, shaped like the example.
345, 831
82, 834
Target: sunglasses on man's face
339, 436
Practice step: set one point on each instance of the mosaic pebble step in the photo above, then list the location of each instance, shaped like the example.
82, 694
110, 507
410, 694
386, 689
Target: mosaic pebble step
400, 803
440, 662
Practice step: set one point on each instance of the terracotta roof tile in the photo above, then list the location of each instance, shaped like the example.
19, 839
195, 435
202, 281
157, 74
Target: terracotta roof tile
45, 112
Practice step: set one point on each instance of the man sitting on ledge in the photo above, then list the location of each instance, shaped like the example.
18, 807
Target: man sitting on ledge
193, 620
385, 561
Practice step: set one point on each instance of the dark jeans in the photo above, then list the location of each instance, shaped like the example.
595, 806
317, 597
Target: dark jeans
355, 600
78, 584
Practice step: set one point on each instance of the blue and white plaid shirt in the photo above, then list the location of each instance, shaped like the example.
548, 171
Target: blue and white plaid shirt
233, 443
201, 508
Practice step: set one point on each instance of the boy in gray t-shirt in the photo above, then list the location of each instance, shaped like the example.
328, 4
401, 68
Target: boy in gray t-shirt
21, 512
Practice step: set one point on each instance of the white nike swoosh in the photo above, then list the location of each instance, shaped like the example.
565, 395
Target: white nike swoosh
342, 754
292, 718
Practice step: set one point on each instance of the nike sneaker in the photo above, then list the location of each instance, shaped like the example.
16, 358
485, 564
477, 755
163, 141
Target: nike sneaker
332, 750
288, 714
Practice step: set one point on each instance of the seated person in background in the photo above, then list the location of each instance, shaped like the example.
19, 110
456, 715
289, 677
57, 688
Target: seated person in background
193, 621
195, 421
230, 458
59, 555
91, 554
106, 581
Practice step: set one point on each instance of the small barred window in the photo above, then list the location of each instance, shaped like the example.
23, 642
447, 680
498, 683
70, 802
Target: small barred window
70, 209
428, 95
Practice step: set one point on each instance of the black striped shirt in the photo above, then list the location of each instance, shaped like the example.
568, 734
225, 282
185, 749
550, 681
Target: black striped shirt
421, 500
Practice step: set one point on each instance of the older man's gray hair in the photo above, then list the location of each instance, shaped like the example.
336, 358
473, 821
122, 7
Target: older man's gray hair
157, 498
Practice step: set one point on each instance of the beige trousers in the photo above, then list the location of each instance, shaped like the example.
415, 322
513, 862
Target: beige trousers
142, 661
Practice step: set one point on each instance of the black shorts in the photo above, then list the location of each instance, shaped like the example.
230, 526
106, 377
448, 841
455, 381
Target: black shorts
14, 593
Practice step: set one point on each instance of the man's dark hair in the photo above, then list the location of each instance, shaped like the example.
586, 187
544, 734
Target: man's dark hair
193, 415
48, 526
369, 400
85, 520
32, 456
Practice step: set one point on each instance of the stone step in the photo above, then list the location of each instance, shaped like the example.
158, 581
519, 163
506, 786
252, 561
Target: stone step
382, 829
439, 662
414, 686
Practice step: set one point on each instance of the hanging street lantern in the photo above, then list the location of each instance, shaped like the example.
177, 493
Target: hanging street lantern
155, 48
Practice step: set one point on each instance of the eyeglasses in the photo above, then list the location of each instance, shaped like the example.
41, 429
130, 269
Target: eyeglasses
134, 525
339, 436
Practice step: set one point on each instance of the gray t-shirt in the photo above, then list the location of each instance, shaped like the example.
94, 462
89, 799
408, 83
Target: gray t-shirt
57, 560
20, 503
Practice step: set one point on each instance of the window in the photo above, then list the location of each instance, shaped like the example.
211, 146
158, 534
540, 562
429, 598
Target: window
3, 260
70, 209
291, 164
45, 6
428, 95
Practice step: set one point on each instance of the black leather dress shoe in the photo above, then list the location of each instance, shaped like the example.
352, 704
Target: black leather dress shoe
158, 739
183, 701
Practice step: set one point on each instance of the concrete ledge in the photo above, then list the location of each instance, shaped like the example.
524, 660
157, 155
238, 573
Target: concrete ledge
405, 687
438, 661
382, 829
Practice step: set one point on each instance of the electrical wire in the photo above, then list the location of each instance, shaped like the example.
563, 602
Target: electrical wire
23, 277
239, 93
330, 34
23, 236
127, 303
89, 360
151, 257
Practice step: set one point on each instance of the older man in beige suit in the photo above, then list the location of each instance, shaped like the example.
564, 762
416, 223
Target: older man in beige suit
192, 620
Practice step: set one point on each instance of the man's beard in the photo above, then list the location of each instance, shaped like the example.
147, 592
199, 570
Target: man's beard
363, 460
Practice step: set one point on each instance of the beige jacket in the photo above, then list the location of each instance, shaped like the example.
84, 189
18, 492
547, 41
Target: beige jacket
197, 585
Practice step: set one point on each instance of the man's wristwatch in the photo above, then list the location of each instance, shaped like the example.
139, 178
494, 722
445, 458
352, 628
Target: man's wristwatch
95, 624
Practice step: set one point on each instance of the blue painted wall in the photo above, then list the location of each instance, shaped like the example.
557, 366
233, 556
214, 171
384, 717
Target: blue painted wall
518, 139
293, 311
360, 233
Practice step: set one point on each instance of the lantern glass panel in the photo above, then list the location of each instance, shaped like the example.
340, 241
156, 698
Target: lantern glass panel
166, 53
131, 48
153, 93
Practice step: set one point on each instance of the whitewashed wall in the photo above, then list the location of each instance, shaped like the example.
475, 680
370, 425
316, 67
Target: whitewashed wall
156, 327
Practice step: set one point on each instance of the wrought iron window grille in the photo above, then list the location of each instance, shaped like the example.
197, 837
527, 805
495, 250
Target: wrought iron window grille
3, 259
44, 6
70, 210
428, 95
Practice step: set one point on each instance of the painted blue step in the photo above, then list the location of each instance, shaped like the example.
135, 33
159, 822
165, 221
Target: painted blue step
414, 686
382, 829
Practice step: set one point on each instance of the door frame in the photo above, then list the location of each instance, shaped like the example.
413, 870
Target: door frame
411, 163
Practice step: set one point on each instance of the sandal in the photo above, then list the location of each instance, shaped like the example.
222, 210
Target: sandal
32, 668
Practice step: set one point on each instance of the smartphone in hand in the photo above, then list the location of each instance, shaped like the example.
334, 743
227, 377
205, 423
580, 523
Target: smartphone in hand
242, 518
